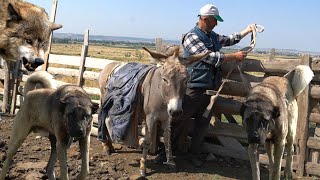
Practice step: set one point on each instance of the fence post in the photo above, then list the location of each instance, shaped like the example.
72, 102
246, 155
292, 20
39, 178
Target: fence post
6, 80
52, 19
303, 123
158, 44
84, 54
16, 76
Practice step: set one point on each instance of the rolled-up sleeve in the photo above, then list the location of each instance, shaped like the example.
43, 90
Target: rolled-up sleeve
229, 40
195, 46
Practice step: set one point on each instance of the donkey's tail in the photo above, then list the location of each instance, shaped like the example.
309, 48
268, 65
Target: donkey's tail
299, 78
39, 79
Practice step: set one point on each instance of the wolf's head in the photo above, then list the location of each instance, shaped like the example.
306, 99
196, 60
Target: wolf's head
24, 33
259, 119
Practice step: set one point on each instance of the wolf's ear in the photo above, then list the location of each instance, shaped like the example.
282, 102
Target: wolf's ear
14, 15
94, 108
275, 112
54, 26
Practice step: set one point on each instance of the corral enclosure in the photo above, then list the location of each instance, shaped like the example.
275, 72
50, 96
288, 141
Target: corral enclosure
226, 129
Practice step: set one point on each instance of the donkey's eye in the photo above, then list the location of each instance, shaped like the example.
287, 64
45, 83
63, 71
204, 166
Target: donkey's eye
29, 41
165, 80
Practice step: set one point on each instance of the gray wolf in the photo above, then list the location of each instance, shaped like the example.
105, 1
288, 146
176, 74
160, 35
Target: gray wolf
65, 114
162, 91
24, 32
270, 114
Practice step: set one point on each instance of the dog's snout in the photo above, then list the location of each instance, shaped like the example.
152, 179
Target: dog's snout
77, 132
38, 61
254, 138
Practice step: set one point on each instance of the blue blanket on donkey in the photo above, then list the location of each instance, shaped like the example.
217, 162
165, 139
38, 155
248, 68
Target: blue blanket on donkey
119, 102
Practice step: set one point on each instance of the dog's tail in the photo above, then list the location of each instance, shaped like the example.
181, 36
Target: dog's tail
299, 78
39, 79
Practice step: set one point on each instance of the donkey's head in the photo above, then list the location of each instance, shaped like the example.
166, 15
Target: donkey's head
174, 77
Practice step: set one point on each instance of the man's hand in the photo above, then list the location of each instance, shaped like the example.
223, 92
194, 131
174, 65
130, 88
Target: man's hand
247, 30
237, 56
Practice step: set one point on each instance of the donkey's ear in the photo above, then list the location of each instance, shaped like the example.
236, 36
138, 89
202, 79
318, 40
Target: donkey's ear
14, 15
155, 54
197, 57
159, 58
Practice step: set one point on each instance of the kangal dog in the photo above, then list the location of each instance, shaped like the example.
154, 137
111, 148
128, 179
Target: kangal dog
270, 114
24, 32
64, 114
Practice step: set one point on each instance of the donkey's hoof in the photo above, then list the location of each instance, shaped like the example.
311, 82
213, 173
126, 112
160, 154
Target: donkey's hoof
143, 173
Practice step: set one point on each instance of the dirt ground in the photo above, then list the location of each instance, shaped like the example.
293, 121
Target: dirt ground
30, 161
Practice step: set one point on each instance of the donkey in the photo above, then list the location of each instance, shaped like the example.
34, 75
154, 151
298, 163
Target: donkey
162, 90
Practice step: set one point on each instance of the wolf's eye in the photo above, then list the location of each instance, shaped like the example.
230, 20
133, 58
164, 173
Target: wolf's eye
29, 41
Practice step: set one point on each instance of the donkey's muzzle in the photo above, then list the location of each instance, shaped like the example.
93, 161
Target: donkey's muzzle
175, 113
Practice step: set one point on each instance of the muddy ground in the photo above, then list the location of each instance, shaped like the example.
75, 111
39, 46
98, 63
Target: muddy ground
32, 156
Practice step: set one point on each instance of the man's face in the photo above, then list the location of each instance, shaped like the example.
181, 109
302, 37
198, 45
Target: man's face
211, 22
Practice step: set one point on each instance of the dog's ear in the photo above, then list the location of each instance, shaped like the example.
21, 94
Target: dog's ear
275, 112
94, 108
242, 108
54, 26
14, 15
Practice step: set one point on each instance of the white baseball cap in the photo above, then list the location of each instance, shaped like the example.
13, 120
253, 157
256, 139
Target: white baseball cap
210, 10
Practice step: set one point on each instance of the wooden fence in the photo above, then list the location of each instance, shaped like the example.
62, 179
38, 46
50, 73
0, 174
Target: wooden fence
231, 135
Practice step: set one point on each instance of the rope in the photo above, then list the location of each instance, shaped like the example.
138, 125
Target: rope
255, 29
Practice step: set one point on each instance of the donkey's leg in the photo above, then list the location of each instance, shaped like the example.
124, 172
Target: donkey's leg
166, 126
107, 144
150, 121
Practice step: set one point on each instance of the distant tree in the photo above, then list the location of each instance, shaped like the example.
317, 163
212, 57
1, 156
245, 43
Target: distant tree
272, 53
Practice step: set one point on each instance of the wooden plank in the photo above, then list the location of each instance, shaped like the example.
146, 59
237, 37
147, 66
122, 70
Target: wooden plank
96, 63
231, 143
227, 105
227, 129
315, 91
223, 151
313, 168
270, 66
52, 19
315, 118
87, 75
303, 123
84, 54
313, 143
263, 159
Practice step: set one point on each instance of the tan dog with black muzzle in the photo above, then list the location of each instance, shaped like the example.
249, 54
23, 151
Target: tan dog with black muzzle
64, 114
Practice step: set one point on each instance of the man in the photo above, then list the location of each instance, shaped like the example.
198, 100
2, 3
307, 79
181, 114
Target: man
204, 74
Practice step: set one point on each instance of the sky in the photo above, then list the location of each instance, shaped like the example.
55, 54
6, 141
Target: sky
289, 24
